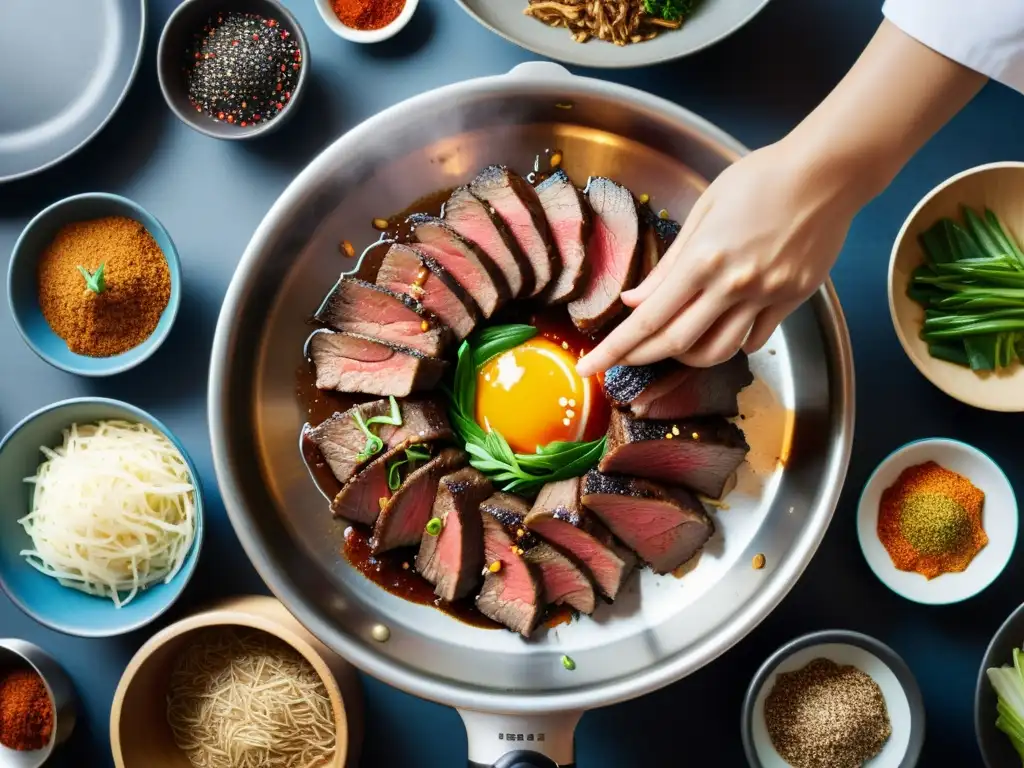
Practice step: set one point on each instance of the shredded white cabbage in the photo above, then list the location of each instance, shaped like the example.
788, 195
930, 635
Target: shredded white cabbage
113, 510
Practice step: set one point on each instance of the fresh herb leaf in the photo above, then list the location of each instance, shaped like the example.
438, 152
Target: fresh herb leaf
373, 445
491, 342
394, 418
95, 282
1011, 246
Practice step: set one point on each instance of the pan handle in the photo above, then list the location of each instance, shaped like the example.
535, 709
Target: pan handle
543, 71
520, 741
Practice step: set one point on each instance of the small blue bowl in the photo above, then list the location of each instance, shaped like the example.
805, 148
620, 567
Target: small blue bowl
42, 597
23, 296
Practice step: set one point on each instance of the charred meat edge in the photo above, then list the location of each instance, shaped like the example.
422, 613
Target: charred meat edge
323, 343
500, 545
574, 268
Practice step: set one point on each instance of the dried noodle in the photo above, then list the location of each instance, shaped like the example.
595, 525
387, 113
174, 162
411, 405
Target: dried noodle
616, 21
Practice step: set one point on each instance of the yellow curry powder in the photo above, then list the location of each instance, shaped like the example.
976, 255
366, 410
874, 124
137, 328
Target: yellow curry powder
138, 285
930, 521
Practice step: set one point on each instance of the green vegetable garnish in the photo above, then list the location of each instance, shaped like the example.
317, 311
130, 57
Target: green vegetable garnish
972, 289
373, 445
412, 456
95, 282
669, 10
568, 663
434, 526
489, 452
394, 418
1008, 683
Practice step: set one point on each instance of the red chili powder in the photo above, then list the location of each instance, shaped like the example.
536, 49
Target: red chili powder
367, 14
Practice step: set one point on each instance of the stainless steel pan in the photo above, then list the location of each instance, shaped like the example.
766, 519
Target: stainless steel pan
661, 628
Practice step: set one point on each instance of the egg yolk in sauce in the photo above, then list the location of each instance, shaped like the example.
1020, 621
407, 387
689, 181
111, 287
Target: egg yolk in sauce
532, 395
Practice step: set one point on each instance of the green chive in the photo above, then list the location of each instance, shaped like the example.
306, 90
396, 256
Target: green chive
434, 526
95, 282
568, 663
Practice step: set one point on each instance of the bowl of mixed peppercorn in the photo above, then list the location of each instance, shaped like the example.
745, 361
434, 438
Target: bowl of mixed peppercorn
232, 69
94, 284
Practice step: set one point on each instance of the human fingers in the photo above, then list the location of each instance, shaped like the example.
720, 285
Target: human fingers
676, 338
634, 296
644, 322
724, 338
766, 323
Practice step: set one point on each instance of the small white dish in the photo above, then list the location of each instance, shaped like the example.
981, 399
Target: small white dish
365, 35
999, 519
899, 688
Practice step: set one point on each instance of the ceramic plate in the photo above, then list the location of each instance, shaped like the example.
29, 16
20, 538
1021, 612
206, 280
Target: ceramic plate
996, 750
899, 688
713, 21
999, 518
999, 186
65, 67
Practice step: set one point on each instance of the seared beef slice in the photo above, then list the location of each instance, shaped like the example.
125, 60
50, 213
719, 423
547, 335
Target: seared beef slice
559, 518
405, 270
357, 306
569, 220
452, 560
511, 594
666, 526
341, 440
348, 362
362, 498
516, 204
405, 516
671, 390
613, 252
478, 222
700, 454
470, 266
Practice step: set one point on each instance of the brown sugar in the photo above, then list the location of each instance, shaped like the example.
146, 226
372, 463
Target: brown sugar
138, 285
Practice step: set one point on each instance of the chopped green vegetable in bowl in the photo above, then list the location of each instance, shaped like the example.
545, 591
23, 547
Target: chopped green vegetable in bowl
972, 290
1008, 683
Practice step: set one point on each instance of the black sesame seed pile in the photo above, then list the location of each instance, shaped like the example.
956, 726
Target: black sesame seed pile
242, 68
826, 716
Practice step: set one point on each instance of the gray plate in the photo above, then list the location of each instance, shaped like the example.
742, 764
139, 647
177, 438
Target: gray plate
65, 67
660, 627
996, 750
714, 20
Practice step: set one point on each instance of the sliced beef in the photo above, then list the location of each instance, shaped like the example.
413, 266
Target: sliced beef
515, 201
569, 219
362, 498
403, 519
453, 560
658, 236
559, 518
356, 306
512, 594
613, 252
470, 266
406, 270
349, 362
664, 525
700, 454
562, 579
478, 222
340, 439
671, 390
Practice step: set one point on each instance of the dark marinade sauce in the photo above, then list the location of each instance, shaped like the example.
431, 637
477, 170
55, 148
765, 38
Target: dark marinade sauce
395, 571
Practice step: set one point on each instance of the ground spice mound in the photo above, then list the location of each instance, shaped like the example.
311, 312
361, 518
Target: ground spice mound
367, 14
138, 285
26, 714
826, 716
930, 521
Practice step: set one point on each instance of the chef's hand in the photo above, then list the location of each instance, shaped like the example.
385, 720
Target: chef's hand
759, 241
764, 235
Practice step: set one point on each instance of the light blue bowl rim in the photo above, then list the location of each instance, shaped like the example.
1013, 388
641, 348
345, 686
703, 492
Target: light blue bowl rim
952, 441
173, 263
183, 577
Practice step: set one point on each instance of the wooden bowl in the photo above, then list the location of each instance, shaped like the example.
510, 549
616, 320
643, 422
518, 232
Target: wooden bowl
999, 186
139, 734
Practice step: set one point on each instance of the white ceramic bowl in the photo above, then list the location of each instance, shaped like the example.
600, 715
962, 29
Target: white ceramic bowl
899, 688
999, 519
370, 35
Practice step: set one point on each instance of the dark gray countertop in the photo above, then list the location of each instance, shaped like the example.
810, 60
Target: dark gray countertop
756, 85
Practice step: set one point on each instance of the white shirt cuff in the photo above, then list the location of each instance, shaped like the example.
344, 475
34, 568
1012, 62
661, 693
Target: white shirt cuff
985, 35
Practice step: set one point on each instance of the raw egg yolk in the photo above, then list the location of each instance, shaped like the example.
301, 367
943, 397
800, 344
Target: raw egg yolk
532, 395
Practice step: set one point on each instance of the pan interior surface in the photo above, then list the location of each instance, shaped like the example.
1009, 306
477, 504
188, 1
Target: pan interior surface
798, 412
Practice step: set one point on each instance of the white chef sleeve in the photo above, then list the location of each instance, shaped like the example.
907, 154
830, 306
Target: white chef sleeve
985, 35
